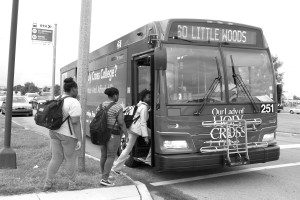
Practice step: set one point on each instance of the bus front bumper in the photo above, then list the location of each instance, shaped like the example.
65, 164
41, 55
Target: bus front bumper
199, 161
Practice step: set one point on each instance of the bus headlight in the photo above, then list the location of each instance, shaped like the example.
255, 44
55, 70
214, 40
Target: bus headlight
268, 137
175, 144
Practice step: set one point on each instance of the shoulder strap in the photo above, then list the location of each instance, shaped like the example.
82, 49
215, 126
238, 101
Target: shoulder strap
62, 98
109, 106
135, 109
68, 117
69, 124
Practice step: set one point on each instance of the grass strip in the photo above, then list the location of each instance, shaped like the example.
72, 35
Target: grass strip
33, 156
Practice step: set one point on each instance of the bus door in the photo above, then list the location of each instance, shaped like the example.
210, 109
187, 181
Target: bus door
142, 79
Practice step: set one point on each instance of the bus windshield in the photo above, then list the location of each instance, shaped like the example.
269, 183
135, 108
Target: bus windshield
254, 69
194, 72
195, 75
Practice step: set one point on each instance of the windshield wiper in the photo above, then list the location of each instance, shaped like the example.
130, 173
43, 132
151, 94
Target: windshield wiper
211, 89
175, 37
238, 81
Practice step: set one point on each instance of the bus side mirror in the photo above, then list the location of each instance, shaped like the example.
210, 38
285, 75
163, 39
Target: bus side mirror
160, 58
279, 92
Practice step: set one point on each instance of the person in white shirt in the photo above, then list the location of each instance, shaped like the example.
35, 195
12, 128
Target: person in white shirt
67, 139
139, 128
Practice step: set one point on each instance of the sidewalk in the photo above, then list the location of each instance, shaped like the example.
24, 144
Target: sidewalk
137, 191
132, 190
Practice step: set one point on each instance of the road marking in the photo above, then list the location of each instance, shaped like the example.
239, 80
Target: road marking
17, 123
289, 146
223, 174
92, 157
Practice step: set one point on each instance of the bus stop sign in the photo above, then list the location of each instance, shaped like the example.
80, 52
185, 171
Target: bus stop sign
42, 33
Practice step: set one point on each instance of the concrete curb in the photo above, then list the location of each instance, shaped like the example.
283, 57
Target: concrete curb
138, 191
129, 192
284, 132
143, 190
141, 187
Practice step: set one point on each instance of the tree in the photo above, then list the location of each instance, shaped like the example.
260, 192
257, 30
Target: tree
46, 89
30, 87
18, 88
296, 97
277, 64
56, 90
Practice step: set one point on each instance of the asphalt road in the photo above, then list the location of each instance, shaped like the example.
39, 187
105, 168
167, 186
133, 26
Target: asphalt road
274, 180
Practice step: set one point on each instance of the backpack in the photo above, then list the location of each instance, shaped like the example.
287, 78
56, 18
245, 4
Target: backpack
129, 113
98, 127
51, 114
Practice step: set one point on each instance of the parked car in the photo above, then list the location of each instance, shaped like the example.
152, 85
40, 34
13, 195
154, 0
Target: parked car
30, 96
46, 94
295, 110
39, 101
20, 106
279, 108
2, 98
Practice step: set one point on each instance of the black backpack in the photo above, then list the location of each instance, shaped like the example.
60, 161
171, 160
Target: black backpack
98, 127
51, 115
129, 113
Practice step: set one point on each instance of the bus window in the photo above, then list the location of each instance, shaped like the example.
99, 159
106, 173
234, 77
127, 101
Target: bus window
144, 78
191, 72
254, 68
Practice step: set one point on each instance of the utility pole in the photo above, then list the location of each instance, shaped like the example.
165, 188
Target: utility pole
82, 69
8, 157
54, 60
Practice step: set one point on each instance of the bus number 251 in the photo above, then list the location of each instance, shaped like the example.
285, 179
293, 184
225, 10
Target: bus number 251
267, 108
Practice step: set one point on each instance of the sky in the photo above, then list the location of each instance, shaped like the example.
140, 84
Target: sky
112, 19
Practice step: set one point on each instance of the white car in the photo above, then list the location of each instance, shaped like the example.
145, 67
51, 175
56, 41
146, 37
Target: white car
295, 110
2, 98
20, 106
39, 100
30, 96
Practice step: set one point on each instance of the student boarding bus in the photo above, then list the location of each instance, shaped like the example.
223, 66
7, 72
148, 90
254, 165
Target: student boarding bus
213, 92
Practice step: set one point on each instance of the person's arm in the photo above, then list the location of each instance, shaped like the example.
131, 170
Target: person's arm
144, 118
75, 121
122, 124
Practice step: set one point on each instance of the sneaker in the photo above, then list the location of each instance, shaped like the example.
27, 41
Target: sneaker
148, 162
106, 182
116, 172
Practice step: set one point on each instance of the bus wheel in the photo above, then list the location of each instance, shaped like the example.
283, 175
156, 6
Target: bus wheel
131, 162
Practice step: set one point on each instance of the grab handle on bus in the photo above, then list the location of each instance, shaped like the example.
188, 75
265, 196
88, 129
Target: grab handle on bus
160, 58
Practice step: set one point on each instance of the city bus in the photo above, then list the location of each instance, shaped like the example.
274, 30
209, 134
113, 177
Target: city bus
213, 92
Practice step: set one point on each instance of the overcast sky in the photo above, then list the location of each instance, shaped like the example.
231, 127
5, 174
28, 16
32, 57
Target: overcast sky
112, 19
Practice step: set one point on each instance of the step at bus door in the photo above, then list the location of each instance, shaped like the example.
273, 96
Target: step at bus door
237, 147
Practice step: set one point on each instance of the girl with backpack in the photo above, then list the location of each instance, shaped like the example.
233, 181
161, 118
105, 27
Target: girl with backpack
139, 128
115, 123
66, 140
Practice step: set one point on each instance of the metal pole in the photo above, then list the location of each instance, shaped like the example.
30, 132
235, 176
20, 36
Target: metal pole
82, 69
8, 157
54, 60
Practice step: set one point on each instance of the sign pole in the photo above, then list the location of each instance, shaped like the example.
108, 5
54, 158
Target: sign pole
54, 60
8, 158
82, 69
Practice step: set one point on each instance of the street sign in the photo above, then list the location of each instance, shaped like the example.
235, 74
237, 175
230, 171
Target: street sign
42, 33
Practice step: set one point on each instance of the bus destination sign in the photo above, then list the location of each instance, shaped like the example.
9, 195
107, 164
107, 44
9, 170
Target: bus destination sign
216, 34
